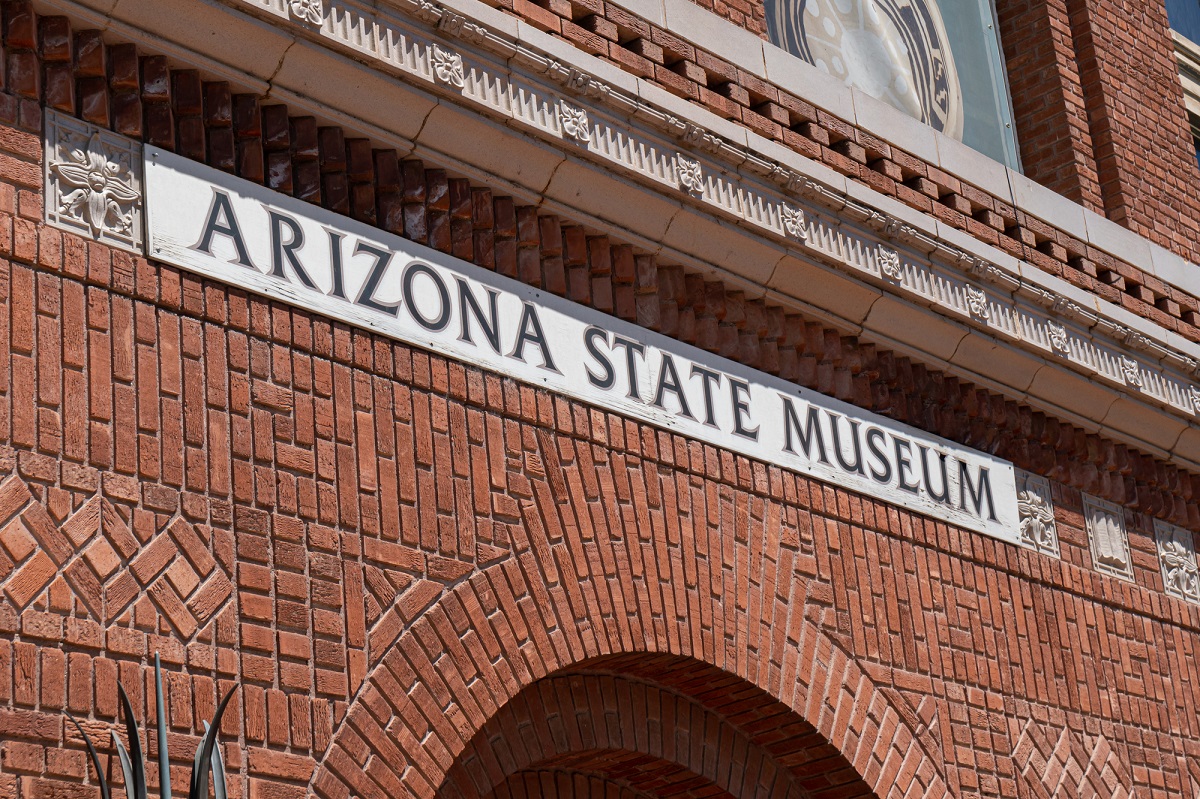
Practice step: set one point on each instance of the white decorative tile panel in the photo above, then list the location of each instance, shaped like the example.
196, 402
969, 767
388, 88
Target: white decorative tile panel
1177, 559
1039, 531
1108, 537
93, 182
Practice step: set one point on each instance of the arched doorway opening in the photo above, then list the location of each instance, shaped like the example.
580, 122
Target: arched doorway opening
649, 726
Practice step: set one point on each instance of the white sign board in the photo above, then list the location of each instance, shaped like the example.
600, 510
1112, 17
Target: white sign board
243, 234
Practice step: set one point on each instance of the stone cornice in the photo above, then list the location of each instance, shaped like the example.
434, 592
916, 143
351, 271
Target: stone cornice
812, 239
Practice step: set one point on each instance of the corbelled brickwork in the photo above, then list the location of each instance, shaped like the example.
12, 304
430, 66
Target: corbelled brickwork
428, 580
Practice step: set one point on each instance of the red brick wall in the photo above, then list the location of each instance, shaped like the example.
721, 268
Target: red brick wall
382, 548
1051, 118
264, 143
1144, 152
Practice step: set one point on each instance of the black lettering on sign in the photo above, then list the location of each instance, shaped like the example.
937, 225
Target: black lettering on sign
632, 350
442, 319
810, 434
904, 464
741, 408
530, 332
708, 381
942, 496
335, 264
857, 465
978, 495
366, 295
489, 324
221, 219
876, 439
286, 250
606, 382
668, 380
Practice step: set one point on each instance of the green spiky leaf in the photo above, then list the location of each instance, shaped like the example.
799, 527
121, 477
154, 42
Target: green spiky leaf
202, 762
126, 766
164, 762
95, 757
220, 789
135, 745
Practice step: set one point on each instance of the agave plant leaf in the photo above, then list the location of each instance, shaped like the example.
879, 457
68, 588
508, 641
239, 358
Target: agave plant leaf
135, 747
126, 766
94, 756
202, 762
164, 762
220, 790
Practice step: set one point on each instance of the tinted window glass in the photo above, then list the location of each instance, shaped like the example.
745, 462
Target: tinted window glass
935, 60
1185, 17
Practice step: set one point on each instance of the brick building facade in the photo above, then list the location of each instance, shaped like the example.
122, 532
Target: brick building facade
427, 576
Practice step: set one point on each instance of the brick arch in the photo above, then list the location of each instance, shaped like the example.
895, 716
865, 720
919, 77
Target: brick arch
498, 632
660, 726
630, 733
552, 783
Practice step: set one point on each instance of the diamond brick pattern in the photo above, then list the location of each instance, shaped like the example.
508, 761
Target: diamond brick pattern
32, 548
103, 562
181, 576
1068, 765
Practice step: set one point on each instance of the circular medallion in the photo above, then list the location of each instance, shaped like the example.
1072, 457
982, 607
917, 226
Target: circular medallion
894, 50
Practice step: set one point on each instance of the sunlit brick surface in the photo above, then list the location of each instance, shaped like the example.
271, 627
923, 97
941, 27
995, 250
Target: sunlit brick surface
431, 581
